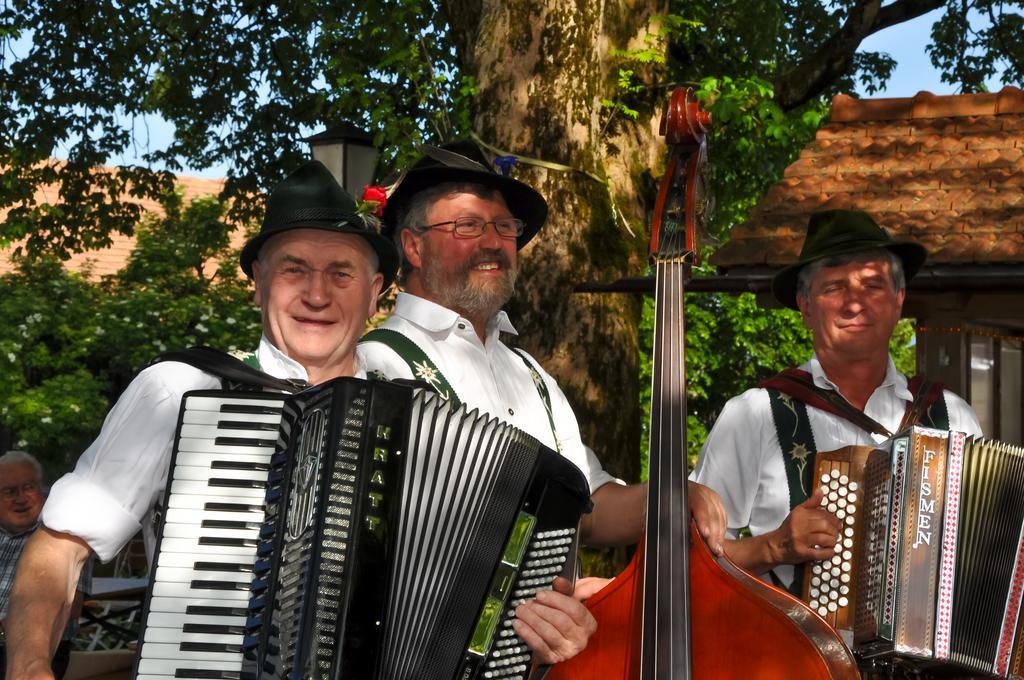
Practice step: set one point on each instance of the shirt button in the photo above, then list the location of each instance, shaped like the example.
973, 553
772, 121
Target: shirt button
462, 326
511, 412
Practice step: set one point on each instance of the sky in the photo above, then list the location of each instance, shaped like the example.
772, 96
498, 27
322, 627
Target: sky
905, 43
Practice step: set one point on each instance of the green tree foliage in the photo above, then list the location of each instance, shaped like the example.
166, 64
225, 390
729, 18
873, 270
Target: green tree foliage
71, 344
242, 82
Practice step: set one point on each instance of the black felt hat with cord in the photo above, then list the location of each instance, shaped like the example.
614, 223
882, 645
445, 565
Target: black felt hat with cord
463, 161
310, 198
832, 233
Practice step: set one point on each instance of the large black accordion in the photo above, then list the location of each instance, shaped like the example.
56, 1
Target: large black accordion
929, 574
358, 529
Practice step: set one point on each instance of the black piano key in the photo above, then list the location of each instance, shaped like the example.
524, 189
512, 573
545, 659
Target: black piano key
229, 524
207, 674
244, 441
222, 566
245, 425
218, 585
237, 483
232, 507
212, 629
206, 610
227, 541
238, 465
250, 408
222, 647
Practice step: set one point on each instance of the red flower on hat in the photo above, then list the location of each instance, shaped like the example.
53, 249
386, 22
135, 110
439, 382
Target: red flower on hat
376, 198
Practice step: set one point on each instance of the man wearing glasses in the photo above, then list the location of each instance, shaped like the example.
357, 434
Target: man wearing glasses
459, 226
21, 502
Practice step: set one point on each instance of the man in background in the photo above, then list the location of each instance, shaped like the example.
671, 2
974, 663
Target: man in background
21, 502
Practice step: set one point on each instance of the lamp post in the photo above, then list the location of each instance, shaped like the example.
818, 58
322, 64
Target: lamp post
348, 153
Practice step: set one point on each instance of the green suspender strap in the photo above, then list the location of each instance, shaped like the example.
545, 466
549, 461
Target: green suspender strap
542, 390
419, 363
796, 440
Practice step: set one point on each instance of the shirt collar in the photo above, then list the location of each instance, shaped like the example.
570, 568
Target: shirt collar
435, 318
277, 363
280, 365
893, 379
7, 534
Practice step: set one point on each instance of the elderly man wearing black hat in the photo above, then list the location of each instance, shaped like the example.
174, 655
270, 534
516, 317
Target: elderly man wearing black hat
459, 226
849, 285
318, 266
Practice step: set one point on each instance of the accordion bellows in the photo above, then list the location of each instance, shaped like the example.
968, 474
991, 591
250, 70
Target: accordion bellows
398, 535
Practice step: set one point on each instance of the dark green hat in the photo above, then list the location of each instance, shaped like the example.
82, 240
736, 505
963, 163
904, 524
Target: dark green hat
832, 233
310, 198
463, 161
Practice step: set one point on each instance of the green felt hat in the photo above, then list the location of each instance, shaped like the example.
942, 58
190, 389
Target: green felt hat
831, 233
463, 161
310, 198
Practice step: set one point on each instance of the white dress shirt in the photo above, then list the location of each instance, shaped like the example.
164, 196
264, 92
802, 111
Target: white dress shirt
742, 459
110, 494
486, 375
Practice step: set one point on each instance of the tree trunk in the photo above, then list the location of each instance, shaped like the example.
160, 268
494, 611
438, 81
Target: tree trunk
541, 71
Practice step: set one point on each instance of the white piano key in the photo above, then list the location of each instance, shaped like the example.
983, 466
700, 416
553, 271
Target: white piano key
175, 636
178, 621
193, 531
190, 516
192, 546
213, 430
181, 575
206, 460
151, 650
177, 605
196, 403
198, 417
194, 502
209, 445
225, 493
169, 559
226, 597
205, 474
168, 666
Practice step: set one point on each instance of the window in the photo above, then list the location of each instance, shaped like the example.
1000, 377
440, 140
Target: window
997, 383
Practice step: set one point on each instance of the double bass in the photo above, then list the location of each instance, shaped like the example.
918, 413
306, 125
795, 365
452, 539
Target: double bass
677, 611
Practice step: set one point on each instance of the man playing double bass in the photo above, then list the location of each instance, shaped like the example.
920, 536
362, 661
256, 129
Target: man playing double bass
849, 285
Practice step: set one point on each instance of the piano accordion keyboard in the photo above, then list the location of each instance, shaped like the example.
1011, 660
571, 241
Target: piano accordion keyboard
197, 607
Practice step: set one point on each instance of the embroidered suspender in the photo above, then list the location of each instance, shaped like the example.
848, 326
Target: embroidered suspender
419, 363
423, 368
542, 390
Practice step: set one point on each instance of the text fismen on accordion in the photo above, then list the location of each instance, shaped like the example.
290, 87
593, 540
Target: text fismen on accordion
929, 571
358, 529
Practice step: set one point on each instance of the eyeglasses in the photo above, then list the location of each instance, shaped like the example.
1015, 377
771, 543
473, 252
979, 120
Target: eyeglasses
9, 493
473, 227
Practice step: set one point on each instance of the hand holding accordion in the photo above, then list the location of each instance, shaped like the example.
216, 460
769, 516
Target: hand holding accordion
929, 570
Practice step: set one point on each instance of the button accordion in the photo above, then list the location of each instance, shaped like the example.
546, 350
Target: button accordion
928, 574
358, 529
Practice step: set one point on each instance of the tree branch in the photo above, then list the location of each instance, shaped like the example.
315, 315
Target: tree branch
813, 75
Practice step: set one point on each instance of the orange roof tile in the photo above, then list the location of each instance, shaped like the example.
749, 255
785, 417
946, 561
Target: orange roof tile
110, 260
946, 171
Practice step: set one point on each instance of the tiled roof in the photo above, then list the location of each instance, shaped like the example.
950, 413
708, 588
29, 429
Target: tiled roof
110, 260
946, 171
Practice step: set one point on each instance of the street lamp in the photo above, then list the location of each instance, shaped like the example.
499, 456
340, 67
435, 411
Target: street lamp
348, 153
